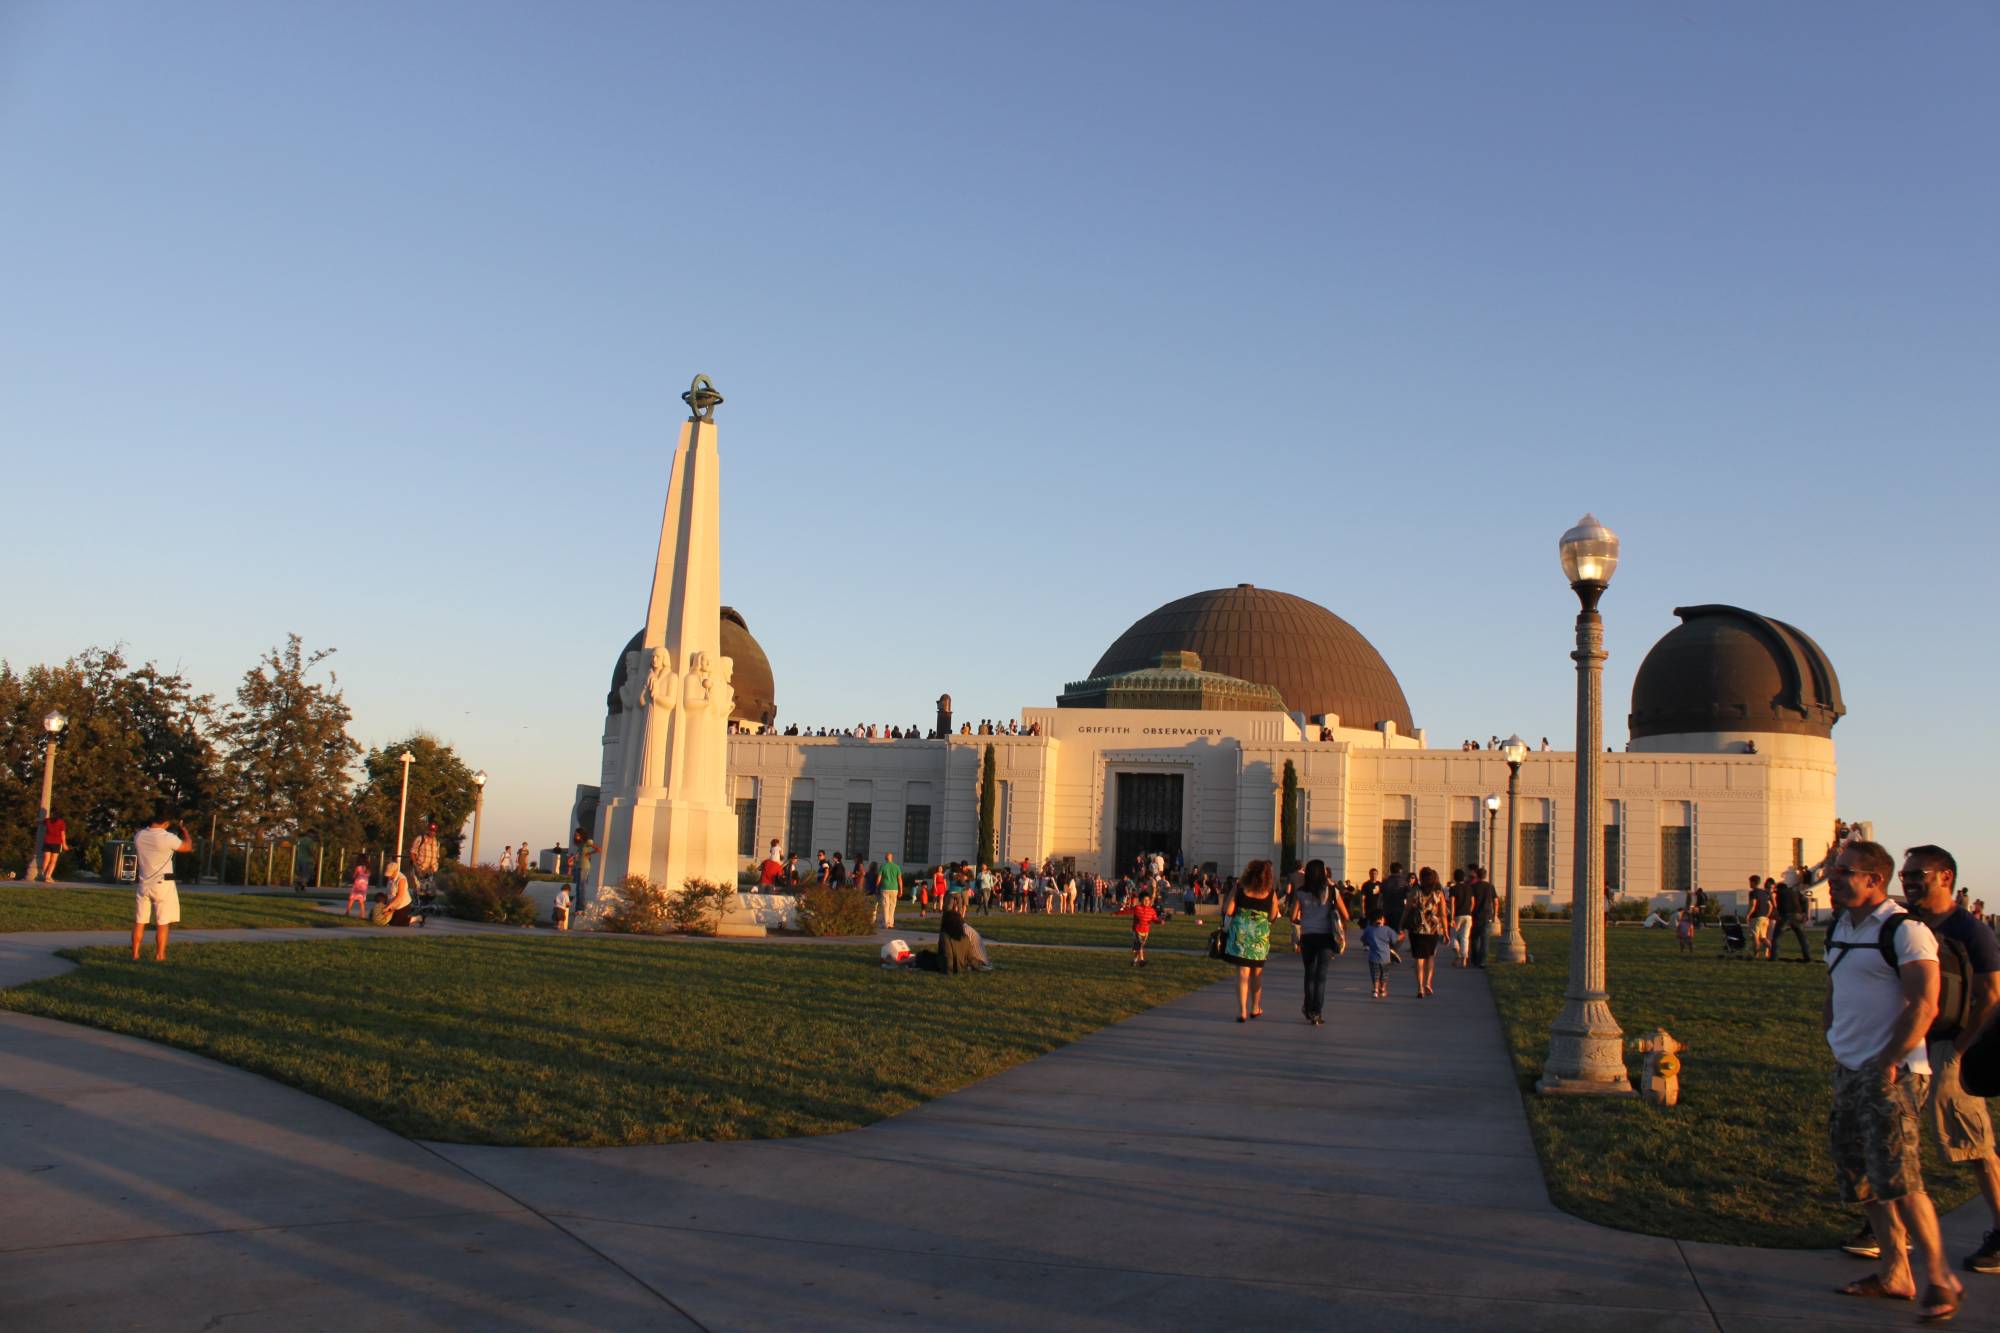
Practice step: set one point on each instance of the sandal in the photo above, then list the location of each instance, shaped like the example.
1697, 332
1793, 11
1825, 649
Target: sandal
1940, 1304
1871, 1288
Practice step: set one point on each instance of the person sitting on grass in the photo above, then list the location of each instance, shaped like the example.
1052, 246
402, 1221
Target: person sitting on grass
1140, 909
959, 948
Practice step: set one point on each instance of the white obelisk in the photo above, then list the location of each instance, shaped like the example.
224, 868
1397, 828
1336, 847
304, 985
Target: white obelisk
668, 816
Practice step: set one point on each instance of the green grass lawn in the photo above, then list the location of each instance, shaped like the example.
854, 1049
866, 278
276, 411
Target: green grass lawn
536, 1041
1084, 928
1743, 1159
35, 907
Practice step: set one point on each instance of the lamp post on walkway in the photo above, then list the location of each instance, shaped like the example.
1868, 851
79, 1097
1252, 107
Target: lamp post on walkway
478, 808
1492, 819
1513, 948
53, 723
1586, 1046
403, 805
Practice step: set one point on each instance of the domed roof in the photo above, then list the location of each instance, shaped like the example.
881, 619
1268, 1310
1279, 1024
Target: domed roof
1726, 669
1317, 661
756, 696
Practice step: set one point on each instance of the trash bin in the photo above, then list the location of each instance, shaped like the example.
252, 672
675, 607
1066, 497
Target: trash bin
121, 861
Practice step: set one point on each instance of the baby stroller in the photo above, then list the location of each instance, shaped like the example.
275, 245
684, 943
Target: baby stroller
1735, 944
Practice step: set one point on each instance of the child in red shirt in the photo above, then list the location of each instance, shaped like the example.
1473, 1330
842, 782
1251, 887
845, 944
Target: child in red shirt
1143, 916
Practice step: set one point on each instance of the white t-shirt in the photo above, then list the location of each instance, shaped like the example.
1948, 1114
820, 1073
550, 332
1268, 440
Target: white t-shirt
156, 848
1867, 992
562, 899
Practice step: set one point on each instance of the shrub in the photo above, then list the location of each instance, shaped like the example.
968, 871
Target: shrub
697, 909
1630, 909
647, 908
824, 911
477, 893
641, 908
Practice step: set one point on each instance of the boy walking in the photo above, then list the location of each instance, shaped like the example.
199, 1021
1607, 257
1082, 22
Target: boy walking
1380, 941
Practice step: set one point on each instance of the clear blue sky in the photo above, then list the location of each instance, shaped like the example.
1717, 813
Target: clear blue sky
369, 321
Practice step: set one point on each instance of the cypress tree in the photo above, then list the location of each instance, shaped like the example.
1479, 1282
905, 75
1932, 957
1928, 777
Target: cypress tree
1288, 822
989, 797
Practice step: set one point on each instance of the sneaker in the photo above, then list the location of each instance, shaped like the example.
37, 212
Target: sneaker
1985, 1259
1862, 1244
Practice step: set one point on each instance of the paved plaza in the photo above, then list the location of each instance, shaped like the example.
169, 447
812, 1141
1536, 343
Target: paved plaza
1175, 1171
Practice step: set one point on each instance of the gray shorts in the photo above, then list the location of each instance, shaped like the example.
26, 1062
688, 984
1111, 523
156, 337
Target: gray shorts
1964, 1129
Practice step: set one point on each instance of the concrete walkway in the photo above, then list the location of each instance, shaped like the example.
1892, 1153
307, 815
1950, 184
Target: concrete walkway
1178, 1170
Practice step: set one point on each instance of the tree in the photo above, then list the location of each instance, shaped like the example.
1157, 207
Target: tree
441, 792
287, 751
989, 797
1288, 821
135, 739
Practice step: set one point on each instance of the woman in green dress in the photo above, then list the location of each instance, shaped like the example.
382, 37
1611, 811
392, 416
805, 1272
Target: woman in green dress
1247, 942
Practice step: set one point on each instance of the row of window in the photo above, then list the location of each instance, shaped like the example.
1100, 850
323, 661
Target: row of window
858, 843
1537, 860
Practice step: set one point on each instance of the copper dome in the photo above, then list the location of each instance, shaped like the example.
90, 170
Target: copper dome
1726, 669
756, 696
1317, 661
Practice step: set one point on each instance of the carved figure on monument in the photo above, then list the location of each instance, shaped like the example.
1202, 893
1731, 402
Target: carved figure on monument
700, 739
651, 697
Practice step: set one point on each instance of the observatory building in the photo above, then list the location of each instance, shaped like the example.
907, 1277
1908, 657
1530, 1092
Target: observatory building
1178, 739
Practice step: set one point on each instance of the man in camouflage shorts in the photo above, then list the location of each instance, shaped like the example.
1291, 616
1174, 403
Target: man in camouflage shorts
1876, 1015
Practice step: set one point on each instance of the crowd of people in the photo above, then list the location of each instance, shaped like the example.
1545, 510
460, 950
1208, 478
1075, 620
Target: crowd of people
877, 731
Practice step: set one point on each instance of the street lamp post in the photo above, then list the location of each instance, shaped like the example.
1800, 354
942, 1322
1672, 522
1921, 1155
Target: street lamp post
53, 723
1492, 819
1586, 1046
1513, 948
478, 807
403, 805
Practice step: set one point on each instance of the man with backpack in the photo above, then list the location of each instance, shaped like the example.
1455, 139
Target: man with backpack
1882, 994
1792, 913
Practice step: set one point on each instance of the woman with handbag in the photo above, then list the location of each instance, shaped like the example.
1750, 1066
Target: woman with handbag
1247, 919
1427, 918
1319, 932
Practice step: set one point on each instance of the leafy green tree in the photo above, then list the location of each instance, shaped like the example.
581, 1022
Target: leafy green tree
286, 752
1288, 822
989, 798
135, 739
441, 792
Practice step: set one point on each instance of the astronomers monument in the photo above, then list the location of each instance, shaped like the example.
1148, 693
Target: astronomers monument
665, 814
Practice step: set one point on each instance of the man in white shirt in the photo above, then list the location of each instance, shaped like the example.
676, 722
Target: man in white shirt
157, 900
1876, 1015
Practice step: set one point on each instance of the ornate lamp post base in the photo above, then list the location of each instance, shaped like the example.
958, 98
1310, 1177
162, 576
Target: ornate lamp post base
1511, 948
1586, 1053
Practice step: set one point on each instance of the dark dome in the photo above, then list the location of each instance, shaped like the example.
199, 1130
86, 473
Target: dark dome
1726, 669
1316, 660
756, 696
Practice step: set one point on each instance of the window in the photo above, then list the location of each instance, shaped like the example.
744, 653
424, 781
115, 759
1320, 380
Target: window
1614, 847
1535, 870
916, 835
1396, 844
1676, 859
1799, 852
859, 817
1464, 844
799, 829
746, 826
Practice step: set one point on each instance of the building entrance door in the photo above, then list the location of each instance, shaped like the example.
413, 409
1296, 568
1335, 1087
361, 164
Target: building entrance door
1148, 818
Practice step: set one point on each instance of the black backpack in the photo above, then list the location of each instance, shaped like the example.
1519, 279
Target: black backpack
1954, 973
